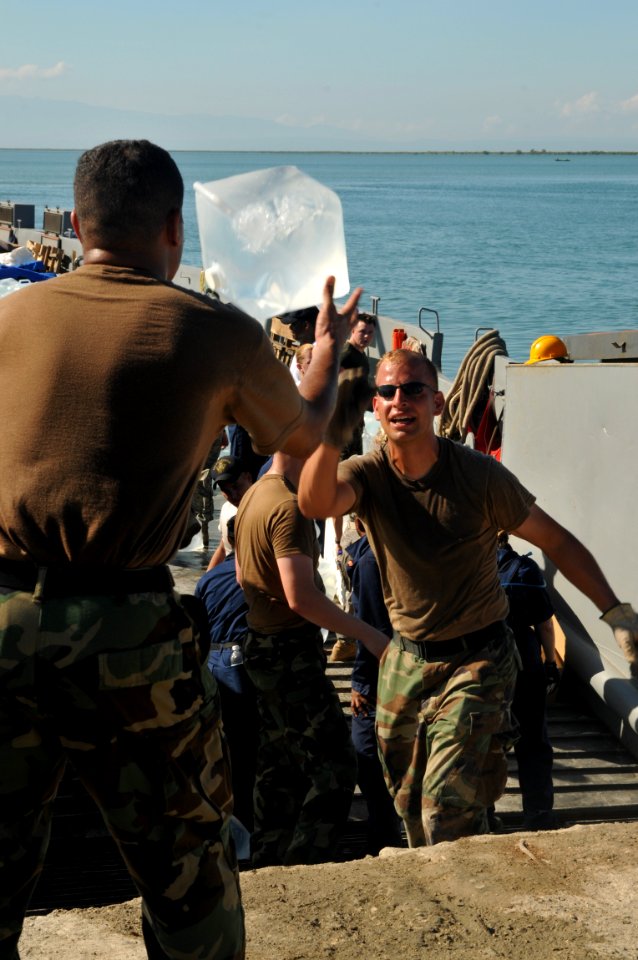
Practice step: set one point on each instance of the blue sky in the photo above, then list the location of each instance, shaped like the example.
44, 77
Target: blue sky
399, 74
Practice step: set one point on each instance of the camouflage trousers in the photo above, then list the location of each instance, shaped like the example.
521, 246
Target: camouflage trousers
115, 686
306, 765
443, 728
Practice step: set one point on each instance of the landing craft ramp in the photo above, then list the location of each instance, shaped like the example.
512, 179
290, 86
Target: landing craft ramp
569, 434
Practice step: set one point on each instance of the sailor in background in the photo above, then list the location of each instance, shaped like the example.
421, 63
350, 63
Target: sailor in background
384, 826
306, 768
531, 619
226, 609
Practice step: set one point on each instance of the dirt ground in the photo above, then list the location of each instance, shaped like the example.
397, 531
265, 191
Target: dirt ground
524, 896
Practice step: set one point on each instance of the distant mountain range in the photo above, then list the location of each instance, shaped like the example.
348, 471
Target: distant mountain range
50, 124
38, 123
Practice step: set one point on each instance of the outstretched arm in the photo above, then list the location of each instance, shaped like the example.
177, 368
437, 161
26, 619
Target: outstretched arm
576, 563
303, 596
569, 555
321, 494
319, 385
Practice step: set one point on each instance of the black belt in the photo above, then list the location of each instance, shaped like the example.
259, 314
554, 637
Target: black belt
304, 632
71, 580
434, 650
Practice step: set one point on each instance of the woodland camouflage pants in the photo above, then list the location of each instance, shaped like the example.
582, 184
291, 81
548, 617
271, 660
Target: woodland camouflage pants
443, 728
115, 686
306, 764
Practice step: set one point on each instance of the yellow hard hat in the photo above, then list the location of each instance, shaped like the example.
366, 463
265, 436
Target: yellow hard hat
547, 347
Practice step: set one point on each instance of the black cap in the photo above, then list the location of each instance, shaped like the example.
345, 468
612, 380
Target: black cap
227, 470
306, 315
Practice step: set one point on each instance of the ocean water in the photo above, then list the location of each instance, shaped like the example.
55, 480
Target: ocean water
520, 243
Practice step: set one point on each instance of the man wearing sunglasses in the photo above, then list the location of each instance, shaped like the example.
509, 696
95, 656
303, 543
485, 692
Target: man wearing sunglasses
432, 509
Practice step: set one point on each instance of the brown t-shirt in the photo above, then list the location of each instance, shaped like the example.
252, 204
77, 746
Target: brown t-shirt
435, 538
270, 526
113, 386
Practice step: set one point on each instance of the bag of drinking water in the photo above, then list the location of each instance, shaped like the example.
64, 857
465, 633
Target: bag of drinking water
269, 239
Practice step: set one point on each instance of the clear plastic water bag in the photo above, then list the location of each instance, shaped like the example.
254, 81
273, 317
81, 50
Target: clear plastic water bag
270, 238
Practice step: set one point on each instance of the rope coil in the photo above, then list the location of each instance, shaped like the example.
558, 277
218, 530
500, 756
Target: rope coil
470, 384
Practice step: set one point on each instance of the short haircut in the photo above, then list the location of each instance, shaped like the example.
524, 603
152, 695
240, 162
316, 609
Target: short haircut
367, 318
124, 191
415, 359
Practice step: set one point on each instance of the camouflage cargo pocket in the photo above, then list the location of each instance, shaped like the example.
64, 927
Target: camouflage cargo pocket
155, 687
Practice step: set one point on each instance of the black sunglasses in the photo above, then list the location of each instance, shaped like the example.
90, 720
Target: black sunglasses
413, 388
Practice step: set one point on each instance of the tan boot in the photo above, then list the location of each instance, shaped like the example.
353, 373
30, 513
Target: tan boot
344, 649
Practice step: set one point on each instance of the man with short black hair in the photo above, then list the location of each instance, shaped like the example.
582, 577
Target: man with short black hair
114, 384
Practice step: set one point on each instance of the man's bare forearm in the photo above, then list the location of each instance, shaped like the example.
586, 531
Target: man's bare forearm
569, 556
317, 608
321, 493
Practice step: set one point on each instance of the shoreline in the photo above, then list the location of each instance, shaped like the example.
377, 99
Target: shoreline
370, 153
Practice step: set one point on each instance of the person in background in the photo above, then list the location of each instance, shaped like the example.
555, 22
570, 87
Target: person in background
303, 357
226, 608
202, 504
432, 509
241, 448
302, 329
306, 767
531, 619
384, 826
233, 479
100, 659
354, 358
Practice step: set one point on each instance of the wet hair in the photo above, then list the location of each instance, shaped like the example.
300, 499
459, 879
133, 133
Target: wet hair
124, 191
416, 359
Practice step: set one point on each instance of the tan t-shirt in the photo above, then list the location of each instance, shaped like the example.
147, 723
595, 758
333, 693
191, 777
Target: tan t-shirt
113, 386
270, 526
435, 538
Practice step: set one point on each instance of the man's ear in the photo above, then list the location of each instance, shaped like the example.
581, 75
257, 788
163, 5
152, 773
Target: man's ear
375, 401
175, 228
75, 223
439, 403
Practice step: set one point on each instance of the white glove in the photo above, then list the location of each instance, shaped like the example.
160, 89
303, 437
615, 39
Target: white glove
623, 620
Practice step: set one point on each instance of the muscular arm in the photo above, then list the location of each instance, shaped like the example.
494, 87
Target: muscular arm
319, 385
569, 555
303, 596
321, 494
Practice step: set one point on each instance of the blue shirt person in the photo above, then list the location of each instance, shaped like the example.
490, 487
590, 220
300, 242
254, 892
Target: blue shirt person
367, 600
226, 609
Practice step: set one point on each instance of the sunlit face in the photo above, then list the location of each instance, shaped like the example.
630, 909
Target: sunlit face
234, 491
362, 335
303, 361
403, 417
